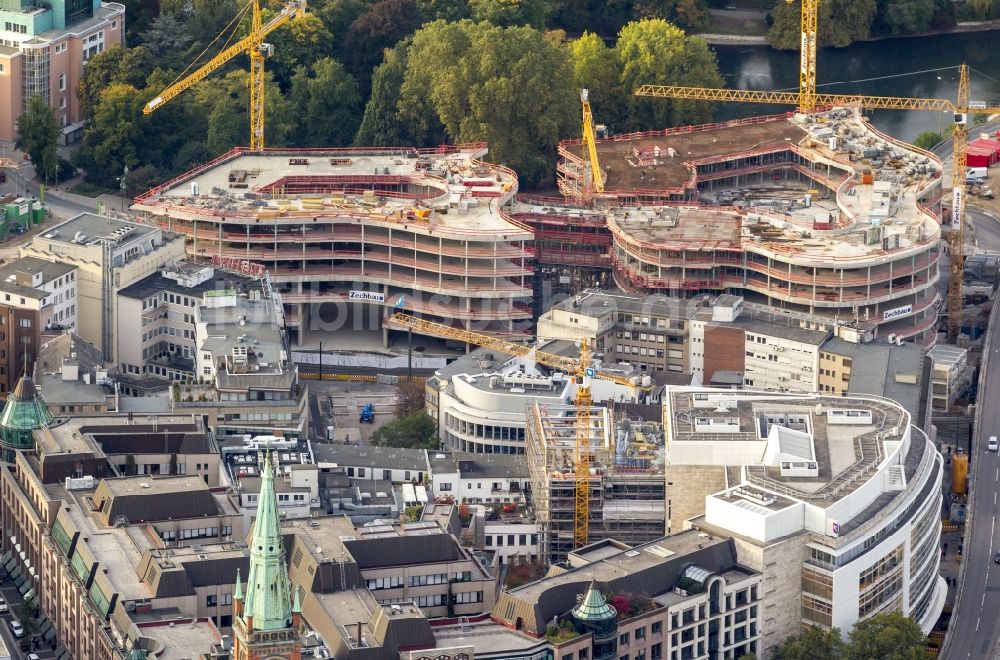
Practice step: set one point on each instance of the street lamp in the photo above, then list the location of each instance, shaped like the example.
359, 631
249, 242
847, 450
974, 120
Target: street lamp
124, 174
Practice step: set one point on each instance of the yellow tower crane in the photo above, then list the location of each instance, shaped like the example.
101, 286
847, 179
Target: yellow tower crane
807, 100
252, 45
590, 141
583, 373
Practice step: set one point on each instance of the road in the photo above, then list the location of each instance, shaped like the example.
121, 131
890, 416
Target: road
986, 227
973, 632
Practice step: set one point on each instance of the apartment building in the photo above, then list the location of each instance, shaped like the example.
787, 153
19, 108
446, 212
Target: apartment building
36, 296
70, 375
43, 50
398, 563
156, 333
297, 490
109, 255
470, 478
245, 382
835, 500
686, 595
93, 553
399, 466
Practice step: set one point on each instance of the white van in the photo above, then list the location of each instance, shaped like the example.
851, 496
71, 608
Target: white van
977, 173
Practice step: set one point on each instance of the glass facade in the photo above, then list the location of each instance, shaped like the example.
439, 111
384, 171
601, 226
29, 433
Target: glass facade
35, 74
78, 10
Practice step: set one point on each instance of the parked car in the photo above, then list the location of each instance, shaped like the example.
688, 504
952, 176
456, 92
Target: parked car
15, 627
997, 558
3, 606
992, 444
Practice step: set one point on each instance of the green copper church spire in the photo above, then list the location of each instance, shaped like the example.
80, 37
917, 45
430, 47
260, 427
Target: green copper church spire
269, 591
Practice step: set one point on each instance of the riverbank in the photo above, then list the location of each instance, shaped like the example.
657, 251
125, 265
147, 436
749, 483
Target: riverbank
761, 40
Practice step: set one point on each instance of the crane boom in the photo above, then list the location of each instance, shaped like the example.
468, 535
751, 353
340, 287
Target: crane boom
404, 321
251, 45
584, 400
792, 98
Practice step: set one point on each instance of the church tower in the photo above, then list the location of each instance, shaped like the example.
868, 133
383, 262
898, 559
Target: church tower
266, 620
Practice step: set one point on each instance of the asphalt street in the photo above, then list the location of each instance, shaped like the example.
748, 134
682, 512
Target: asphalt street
974, 632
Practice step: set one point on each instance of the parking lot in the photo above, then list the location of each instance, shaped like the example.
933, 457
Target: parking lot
339, 406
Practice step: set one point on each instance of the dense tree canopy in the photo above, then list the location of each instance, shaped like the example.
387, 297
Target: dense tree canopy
510, 87
38, 136
416, 430
841, 22
885, 636
656, 52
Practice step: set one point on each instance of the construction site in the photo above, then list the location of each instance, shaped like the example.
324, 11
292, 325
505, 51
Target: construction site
626, 477
368, 230
818, 213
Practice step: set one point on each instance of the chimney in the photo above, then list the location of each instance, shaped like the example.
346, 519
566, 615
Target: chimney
359, 634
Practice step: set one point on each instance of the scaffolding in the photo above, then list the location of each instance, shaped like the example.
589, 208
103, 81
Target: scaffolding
627, 488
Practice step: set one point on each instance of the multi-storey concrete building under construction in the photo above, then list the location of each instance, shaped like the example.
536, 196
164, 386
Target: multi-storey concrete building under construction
346, 235
626, 477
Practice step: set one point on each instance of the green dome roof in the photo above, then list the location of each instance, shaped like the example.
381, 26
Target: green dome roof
24, 412
593, 607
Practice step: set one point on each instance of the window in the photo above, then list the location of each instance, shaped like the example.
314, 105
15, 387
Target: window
62, 85
623, 639
640, 633
657, 627
211, 601
24, 323
444, 487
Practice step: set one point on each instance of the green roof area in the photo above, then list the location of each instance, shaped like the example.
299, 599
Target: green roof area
24, 412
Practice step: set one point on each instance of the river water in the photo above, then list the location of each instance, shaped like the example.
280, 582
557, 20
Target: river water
848, 69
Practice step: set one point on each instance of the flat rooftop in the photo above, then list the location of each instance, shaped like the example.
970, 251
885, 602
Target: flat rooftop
251, 185
88, 227
486, 638
626, 174
183, 639
621, 563
806, 432
783, 216
69, 434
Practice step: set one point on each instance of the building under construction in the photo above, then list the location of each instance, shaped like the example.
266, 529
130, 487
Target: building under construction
820, 213
626, 477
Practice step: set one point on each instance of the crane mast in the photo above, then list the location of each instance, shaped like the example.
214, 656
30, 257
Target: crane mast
584, 400
590, 140
252, 45
956, 260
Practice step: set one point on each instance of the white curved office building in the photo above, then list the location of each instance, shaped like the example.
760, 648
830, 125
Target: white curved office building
836, 500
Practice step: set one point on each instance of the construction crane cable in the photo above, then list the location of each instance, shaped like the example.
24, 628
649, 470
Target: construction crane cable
239, 16
863, 80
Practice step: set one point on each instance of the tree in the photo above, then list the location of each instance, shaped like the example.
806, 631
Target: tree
653, 51
841, 23
412, 513
512, 12
928, 139
596, 68
130, 66
510, 87
113, 137
27, 611
416, 430
385, 24
38, 136
814, 643
448, 10
686, 13
887, 636
327, 104
166, 36
906, 16
380, 125
303, 40
410, 396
